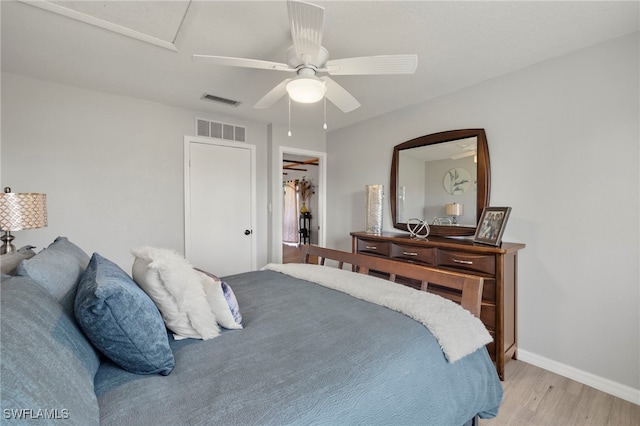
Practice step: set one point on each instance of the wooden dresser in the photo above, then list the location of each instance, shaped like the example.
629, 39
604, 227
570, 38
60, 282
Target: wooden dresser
497, 265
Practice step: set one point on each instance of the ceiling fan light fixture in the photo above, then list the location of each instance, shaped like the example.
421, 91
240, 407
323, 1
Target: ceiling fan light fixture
306, 90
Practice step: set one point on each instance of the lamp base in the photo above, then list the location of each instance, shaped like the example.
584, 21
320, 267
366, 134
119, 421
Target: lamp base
7, 247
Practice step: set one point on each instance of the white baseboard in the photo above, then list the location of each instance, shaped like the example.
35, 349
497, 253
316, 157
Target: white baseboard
605, 385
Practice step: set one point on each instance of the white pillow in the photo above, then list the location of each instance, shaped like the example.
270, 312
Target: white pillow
217, 301
176, 288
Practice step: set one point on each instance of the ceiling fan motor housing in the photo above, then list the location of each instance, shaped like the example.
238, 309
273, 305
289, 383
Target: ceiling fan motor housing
296, 62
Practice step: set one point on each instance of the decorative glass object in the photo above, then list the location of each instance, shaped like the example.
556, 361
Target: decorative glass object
375, 195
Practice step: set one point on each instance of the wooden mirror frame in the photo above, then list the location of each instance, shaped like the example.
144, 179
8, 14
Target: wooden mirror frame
483, 177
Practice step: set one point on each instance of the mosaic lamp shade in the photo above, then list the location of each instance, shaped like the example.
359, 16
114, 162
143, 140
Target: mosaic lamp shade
20, 211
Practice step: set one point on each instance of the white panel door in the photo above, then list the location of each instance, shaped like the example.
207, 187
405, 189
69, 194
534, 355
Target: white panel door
219, 206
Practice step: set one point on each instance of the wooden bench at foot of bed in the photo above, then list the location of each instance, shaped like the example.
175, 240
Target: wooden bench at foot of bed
468, 286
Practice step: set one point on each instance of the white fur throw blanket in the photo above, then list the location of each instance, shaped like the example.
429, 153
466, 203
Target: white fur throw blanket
456, 329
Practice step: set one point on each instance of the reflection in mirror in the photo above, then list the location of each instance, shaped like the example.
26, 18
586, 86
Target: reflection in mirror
437, 183
442, 178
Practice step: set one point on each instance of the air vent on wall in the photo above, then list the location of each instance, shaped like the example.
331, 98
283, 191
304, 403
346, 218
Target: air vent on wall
214, 129
218, 99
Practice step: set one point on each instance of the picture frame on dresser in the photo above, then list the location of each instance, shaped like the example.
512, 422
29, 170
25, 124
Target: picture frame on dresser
491, 226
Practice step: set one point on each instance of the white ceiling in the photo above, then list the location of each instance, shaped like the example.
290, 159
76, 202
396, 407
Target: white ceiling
143, 49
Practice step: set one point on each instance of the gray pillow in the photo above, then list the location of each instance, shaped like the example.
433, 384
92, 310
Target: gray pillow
121, 320
9, 262
47, 363
57, 268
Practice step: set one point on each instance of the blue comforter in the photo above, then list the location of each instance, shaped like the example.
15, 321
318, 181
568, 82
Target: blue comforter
307, 355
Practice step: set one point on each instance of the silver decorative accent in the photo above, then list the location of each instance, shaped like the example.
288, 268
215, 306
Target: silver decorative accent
375, 195
418, 228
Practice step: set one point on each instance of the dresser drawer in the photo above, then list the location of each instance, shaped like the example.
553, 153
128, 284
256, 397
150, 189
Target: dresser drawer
467, 261
374, 247
488, 316
489, 290
426, 255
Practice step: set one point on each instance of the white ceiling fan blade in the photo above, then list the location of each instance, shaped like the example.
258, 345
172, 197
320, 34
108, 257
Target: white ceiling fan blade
241, 62
339, 96
307, 21
273, 95
383, 64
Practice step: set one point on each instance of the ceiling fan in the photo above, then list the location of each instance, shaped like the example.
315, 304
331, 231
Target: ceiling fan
307, 58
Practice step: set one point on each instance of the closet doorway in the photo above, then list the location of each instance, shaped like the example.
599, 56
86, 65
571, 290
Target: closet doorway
303, 201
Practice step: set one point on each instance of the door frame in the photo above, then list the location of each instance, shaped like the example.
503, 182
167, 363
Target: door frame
278, 200
188, 140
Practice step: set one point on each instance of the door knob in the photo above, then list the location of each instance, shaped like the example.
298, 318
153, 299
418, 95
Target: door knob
247, 232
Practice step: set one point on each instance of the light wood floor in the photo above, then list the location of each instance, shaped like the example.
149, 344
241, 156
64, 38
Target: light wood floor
533, 396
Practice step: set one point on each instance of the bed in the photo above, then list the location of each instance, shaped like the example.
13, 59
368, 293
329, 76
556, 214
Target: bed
322, 343
309, 354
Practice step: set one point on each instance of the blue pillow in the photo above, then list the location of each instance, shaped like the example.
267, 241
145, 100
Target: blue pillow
121, 320
47, 363
58, 269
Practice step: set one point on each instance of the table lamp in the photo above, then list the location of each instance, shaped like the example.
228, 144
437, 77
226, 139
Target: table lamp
455, 210
20, 211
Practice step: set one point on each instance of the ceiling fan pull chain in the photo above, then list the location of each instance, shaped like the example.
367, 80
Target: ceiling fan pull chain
289, 134
325, 113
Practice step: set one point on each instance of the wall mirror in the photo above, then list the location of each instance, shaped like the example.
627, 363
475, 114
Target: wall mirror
443, 178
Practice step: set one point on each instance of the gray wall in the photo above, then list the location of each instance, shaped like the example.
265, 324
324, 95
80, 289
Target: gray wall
564, 144
111, 166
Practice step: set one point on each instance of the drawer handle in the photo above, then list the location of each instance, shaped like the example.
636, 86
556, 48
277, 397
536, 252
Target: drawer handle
371, 247
465, 262
409, 253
